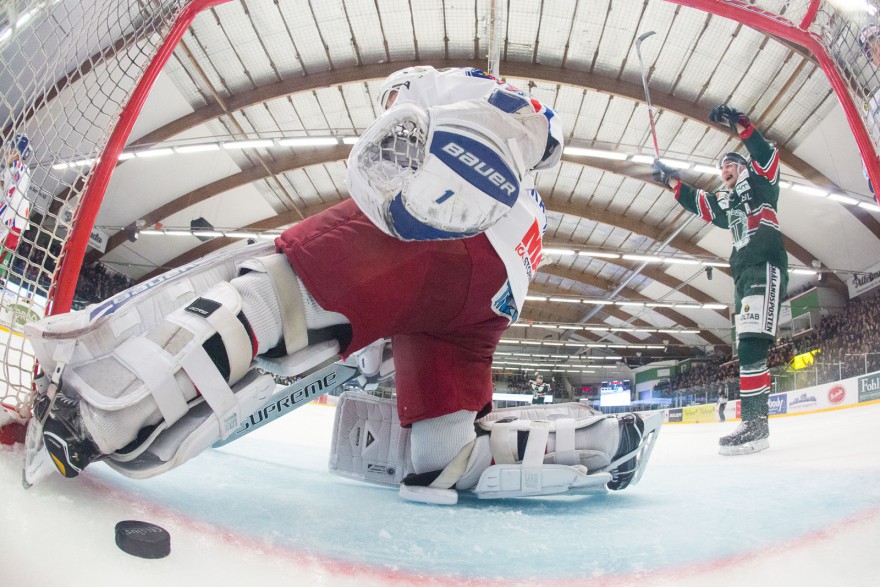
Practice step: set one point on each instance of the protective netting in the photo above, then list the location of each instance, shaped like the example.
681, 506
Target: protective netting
68, 69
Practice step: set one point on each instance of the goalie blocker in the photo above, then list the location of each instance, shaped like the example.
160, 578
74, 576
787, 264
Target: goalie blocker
518, 452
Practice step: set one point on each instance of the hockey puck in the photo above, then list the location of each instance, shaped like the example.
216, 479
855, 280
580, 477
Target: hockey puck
143, 539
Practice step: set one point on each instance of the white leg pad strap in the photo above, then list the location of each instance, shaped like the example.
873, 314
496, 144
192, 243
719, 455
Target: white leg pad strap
155, 368
217, 393
289, 297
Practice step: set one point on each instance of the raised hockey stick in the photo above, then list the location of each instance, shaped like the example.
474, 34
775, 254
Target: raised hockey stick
639, 40
294, 396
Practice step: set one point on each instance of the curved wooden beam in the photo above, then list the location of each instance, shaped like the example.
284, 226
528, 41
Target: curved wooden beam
517, 69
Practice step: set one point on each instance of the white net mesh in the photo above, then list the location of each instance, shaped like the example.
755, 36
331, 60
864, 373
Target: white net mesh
68, 69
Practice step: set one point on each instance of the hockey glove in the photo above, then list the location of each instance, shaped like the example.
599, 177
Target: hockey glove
663, 173
729, 116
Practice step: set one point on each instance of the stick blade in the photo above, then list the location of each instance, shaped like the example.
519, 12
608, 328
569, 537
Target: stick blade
644, 36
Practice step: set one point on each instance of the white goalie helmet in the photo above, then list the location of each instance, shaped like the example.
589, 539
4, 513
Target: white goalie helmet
399, 79
866, 35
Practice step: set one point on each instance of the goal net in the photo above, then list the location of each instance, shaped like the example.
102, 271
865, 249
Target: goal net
75, 73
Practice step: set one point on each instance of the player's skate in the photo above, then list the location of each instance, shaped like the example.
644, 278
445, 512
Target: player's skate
750, 436
518, 452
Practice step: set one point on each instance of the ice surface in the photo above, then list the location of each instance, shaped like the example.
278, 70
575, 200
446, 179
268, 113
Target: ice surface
264, 510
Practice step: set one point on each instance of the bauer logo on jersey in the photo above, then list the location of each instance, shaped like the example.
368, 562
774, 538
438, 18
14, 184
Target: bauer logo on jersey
477, 164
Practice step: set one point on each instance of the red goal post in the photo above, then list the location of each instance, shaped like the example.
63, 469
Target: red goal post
830, 31
75, 76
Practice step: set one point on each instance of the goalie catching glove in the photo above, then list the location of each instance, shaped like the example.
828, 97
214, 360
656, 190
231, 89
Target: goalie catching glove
517, 452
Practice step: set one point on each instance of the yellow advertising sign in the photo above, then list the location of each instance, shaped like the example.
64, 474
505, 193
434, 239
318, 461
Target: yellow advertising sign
704, 413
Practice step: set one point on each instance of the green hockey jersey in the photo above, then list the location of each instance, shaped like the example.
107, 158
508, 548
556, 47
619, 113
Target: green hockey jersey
749, 210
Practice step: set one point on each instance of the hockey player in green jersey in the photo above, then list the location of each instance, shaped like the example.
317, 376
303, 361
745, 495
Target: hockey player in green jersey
758, 262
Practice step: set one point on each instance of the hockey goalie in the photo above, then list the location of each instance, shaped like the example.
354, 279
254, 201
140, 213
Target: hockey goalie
434, 251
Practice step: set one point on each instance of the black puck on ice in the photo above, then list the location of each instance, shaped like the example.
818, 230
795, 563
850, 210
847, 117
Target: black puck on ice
143, 539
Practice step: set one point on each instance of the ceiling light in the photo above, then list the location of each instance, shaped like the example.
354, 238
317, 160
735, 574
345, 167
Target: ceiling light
197, 148
599, 255
843, 199
675, 163
309, 142
125, 156
871, 207
680, 261
536, 298
566, 300
646, 159
154, 153
809, 190
716, 264
645, 258
559, 252
602, 154
249, 144
706, 169
349, 140
639, 304
802, 271
715, 306
599, 302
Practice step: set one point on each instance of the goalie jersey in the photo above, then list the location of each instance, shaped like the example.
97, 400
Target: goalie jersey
469, 168
749, 211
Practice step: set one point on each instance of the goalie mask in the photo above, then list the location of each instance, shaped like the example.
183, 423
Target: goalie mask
867, 35
399, 79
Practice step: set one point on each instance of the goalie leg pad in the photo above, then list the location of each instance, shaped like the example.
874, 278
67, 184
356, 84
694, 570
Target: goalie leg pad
544, 450
192, 434
153, 378
368, 442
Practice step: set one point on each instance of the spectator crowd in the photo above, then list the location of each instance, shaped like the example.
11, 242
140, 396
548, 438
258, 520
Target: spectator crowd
848, 344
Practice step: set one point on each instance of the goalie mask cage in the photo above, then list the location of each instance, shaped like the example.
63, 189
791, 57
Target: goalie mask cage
76, 73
